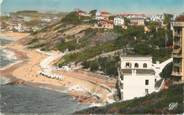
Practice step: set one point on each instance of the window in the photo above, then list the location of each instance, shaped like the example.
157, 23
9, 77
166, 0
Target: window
146, 82
144, 65
122, 77
128, 65
136, 65
121, 85
146, 91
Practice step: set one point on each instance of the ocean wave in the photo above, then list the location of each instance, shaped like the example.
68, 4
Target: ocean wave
8, 58
8, 54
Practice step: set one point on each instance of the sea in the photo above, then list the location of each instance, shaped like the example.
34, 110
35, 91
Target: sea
26, 99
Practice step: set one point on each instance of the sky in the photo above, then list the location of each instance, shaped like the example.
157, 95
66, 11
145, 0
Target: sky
115, 6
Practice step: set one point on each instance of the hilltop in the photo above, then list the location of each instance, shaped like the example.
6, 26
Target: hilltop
86, 40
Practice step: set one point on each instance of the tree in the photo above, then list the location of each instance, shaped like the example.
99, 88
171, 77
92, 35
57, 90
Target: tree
127, 21
167, 71
111, 17
94, 66
118, 29
152, 25
142, 49
93, 13
71, 18
167, 20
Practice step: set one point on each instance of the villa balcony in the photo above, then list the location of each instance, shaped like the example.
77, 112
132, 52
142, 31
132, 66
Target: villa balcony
177, 34
177, 43
177, 64
176, 38
179, 74
175, 55
177, 51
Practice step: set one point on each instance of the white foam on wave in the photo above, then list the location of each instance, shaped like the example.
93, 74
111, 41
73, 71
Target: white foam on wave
4, 80
9, 54
4, 37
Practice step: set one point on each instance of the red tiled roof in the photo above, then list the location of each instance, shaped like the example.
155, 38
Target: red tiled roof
80, 11
104, 12
180, 18
107, 21
129, 14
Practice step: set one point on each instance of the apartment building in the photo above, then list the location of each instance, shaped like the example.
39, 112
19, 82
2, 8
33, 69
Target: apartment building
178, 49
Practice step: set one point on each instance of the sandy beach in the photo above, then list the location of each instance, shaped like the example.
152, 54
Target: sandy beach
14, 35
84, 87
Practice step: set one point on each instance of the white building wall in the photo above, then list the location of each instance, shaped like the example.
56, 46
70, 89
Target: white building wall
134, 86
98, 16
118, 21
133, 82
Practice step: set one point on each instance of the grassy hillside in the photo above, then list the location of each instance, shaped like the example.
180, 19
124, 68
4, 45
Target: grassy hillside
156, 103
84, 42
64, 30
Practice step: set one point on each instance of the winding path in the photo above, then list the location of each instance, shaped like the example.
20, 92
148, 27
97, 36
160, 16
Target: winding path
50, 71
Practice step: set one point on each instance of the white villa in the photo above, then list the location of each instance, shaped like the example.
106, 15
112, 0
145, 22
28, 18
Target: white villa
102, 15
137, 21
119, 21
139, 77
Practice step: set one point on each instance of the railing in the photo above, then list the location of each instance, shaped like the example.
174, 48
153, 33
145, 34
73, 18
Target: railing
176, 74
177, 43
177, 34
177, 55
177, 64
178, 24
177, 51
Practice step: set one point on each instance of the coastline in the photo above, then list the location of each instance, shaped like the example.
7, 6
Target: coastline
27, 72
14, 35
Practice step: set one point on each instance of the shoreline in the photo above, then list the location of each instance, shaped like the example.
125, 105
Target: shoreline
13, 35
26, 72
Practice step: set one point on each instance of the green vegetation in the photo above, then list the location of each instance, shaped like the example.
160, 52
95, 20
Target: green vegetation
77, 43
167, 71
108, 65
133, 40
88, 53
117, 29
153, 43
155, 103
167, 20
26, 12
73, 18
93, 13
4, 18
127, 21
152, 25
90, 43
33, 41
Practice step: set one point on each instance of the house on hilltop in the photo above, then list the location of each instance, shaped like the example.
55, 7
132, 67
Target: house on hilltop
82, 13
106, 24
102, 15
137, 21
119, 21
